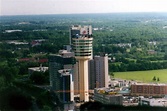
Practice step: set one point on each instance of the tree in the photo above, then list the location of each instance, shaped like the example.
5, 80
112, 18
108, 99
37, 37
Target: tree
37, 78
158, 79
14, 99
6, 73
154, 78
2, 82
112, 74
165, 56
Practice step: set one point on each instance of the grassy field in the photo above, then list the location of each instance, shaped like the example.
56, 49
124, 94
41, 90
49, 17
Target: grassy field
144, 76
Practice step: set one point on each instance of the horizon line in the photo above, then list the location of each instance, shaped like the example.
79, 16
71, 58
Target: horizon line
83, 13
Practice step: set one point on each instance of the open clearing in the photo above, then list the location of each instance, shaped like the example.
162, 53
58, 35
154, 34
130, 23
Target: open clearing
144, 76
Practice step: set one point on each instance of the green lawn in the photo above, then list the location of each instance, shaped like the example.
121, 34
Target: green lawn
144, 76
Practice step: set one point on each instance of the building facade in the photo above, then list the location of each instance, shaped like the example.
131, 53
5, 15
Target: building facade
98, 72
149, 89
114, 99
66, 86
57, 62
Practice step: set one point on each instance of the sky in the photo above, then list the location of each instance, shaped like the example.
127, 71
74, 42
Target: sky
33, 7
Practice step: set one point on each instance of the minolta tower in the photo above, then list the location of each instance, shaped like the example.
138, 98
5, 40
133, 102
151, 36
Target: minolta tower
81, 40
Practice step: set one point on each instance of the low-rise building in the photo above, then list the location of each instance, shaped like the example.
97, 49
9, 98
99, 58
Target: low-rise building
162, 102
37, 69
124, 91
107, 96
149, 89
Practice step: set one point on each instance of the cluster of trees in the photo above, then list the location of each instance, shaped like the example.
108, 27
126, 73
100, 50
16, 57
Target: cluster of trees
122, 67
14, 83
39, 78
156, 79
17, 88
13, 98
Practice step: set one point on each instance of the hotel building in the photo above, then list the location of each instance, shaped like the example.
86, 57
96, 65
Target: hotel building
98, 72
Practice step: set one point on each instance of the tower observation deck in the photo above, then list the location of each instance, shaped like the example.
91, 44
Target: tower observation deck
81, 41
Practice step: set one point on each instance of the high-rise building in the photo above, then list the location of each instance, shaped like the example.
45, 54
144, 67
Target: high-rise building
63, 73
98, 72
91, 74
66, 88
81, 40
63, 60
73, 66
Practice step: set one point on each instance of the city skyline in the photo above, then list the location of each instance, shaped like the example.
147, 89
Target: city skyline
37, 7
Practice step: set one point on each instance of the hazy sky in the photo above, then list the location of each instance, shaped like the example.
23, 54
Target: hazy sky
26, 7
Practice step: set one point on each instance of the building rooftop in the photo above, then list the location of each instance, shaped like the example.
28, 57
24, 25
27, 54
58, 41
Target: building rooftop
65, 71
39, 69
153, 84
64, 53
107, 91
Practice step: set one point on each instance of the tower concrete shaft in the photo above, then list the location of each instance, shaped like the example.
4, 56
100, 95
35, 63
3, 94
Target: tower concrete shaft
83, 49
83, 80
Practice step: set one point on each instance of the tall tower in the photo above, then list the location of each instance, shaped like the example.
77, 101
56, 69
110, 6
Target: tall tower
81, 41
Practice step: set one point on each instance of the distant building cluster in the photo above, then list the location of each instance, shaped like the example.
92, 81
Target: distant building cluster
11, 31
17, 42
41, 60
134, 94
37, 42
76, 73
